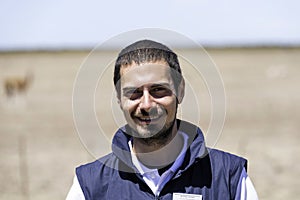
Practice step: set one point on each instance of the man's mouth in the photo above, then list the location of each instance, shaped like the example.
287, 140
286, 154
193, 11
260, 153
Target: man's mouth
148, 120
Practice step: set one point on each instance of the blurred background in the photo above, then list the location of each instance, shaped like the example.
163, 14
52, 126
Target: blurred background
255, 45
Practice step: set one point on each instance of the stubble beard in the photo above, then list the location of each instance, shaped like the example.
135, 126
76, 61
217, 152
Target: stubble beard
158, 138
152, 135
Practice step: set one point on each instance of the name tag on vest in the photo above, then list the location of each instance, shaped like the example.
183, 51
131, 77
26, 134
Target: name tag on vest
182, 196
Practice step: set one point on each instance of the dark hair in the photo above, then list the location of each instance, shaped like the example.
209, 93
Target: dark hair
147, 51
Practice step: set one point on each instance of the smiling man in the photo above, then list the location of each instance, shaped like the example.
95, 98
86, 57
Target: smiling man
155, 155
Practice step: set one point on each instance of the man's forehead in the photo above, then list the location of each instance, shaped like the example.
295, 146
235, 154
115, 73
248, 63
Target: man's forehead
141, 67
146, 73
158, 69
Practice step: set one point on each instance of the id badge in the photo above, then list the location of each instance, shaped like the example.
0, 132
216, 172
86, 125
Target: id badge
183, 196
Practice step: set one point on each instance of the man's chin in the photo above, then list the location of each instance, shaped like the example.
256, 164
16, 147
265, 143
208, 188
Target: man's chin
146, 132
150, 136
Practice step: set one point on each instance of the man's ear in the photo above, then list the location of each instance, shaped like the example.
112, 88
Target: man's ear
181, 91
118, 95
119, 101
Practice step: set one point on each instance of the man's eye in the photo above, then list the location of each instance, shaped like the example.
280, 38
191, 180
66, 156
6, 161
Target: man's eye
133, 94
160, 91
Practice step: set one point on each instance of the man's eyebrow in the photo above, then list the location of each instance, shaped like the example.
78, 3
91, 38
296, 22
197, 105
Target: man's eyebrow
126, 89
131, 88
160, 84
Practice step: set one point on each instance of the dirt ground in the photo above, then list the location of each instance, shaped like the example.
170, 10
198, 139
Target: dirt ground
40, 147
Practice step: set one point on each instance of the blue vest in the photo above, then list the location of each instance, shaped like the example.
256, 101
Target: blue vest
212, 173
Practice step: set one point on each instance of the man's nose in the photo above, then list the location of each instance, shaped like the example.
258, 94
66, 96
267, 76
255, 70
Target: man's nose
146, 102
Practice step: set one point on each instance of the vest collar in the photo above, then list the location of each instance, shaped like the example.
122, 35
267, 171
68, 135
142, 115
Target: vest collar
196, 143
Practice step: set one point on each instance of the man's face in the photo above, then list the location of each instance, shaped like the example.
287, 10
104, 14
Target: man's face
147, 98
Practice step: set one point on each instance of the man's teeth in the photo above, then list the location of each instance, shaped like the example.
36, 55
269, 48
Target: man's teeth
148, 118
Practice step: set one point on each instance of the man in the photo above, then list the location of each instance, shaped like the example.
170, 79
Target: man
156, 155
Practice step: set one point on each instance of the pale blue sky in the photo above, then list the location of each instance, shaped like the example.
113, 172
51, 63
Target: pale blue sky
72, 23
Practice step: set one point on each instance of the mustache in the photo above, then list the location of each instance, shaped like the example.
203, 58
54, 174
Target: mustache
153, 113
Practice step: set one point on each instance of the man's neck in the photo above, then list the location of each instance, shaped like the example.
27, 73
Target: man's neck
159, 154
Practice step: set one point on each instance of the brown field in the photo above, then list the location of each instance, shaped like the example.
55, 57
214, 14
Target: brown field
40, 148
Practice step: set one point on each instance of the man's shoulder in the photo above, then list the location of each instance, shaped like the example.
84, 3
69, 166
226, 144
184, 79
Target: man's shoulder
96, 165
224, 154
94, 175
227, 159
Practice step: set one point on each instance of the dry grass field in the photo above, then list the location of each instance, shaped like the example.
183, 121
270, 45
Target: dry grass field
40, 148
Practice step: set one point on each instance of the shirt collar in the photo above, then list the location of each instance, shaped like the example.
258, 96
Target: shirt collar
142, 169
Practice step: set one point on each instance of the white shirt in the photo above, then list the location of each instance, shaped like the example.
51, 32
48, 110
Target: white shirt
151, 176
